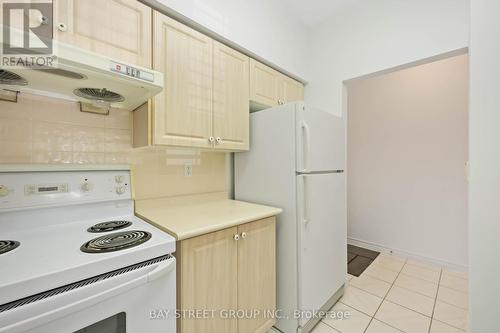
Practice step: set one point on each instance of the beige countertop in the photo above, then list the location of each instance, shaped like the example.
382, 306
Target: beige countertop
190, 216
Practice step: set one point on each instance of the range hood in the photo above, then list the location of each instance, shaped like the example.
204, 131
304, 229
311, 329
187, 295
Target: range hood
87, 77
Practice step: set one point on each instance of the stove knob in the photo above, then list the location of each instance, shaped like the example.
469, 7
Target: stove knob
120, 190
119, 179
4, 191
86, 187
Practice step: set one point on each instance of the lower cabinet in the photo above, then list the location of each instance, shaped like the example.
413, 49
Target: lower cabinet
227, 280
257, 273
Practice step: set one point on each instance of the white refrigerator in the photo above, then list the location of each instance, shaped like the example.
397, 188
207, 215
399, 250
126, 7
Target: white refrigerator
296, 162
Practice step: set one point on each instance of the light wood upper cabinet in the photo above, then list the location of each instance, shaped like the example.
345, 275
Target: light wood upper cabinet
232, 269
230, 98
291, 90
264, 84
183, 111
257, 273
208, 92
269, 87
209, 280
119, 29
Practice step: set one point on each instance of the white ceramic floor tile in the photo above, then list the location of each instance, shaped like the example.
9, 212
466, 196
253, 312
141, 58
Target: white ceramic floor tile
454, 282
462, 275
391, 257
393, 265
404, 319
424, 265
356, 322
439, 327
453, 297
323, 328
451, 315
379, 327
381, 273
420, 286
361, 300
349, 277
412, 300
372, 285
421, 273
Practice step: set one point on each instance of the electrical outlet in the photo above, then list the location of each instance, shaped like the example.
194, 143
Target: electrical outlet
188, 170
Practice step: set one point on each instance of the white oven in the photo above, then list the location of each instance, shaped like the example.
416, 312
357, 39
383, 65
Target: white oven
117, 302
75, 259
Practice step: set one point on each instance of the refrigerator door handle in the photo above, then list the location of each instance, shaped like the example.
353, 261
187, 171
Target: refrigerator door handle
307, 204
306, 142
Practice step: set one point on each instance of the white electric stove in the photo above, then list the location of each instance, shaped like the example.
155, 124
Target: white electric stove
74, 258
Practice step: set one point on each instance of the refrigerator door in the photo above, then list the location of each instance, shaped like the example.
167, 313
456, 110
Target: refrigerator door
322, 235
320, 140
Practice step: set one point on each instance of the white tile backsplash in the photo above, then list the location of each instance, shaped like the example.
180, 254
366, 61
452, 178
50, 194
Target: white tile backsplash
40, 129
46, 130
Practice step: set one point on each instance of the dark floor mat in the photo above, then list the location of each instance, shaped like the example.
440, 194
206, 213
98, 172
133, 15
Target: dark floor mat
362, 252
358, 265
358, 259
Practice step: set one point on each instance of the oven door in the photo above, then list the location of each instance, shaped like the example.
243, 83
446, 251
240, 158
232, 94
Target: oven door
139, 298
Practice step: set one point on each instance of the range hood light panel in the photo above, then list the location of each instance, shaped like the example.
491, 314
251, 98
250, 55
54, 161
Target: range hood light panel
8, 95
97, 108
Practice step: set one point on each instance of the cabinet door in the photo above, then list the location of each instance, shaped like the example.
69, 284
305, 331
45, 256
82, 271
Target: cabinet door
291, 90
119, 29
208, 280
230, 99
257, 273
264, 84
183, 111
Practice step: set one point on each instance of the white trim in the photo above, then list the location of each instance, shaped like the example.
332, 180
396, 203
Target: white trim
405, 254
437, 57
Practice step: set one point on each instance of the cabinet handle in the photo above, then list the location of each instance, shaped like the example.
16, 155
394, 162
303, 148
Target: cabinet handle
243, 235
236, 237
211, 139
62, 27
219, 140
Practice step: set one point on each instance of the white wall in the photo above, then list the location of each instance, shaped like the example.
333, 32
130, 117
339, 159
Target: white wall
263, 27
371, 36
407, 148
484, 195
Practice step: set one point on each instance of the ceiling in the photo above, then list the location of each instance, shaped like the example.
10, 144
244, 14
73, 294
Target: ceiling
312, 12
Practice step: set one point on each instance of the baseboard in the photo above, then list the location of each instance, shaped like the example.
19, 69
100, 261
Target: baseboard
410, 255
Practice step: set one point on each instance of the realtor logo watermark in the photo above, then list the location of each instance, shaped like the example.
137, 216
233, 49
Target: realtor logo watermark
27, 34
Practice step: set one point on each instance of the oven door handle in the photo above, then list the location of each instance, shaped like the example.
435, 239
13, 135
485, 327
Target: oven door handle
33, 315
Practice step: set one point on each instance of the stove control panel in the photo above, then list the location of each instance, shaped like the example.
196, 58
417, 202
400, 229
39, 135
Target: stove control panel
46, 189
49, 188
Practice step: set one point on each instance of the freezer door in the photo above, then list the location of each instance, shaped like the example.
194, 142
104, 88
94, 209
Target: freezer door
322, 238
320, 138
